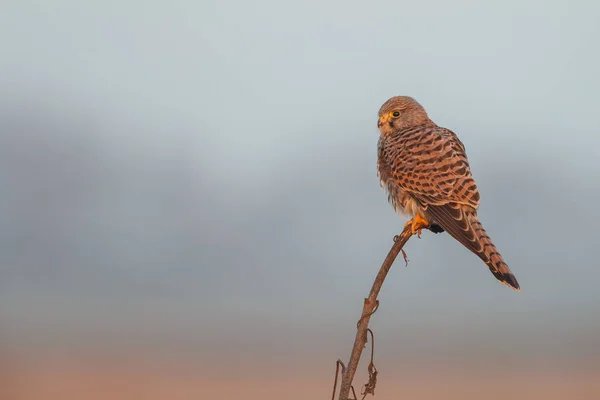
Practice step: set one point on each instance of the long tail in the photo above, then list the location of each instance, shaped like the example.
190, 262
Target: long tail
463, 225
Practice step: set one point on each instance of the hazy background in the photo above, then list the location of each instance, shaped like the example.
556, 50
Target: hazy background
189, 200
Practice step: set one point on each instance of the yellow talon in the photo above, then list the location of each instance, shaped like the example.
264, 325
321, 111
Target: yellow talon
417, 223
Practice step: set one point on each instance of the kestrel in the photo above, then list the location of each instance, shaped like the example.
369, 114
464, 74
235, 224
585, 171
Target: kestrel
426, 174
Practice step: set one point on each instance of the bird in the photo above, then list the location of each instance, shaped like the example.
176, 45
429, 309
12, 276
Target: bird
425, 171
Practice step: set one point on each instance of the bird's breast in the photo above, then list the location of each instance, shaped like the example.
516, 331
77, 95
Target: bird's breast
401, 201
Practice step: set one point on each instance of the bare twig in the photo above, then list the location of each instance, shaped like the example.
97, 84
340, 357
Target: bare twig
370, 306
337, 370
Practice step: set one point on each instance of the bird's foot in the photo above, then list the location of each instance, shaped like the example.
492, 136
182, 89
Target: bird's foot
417, 223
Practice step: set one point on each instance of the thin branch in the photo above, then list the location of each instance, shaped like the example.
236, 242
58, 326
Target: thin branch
370, 306
337, 372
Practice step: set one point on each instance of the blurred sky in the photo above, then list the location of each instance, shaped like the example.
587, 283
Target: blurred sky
202, 174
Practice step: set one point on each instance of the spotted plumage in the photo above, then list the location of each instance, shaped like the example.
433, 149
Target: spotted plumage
425, 171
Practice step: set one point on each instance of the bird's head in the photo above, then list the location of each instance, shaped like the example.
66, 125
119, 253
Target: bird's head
400, 112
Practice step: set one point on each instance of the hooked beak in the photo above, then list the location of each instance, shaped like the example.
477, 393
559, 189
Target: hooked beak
382, 120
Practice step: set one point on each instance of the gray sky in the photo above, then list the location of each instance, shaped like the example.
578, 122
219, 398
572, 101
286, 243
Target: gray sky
208, 166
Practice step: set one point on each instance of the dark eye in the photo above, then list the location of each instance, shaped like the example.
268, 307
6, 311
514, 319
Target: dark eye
396, 114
